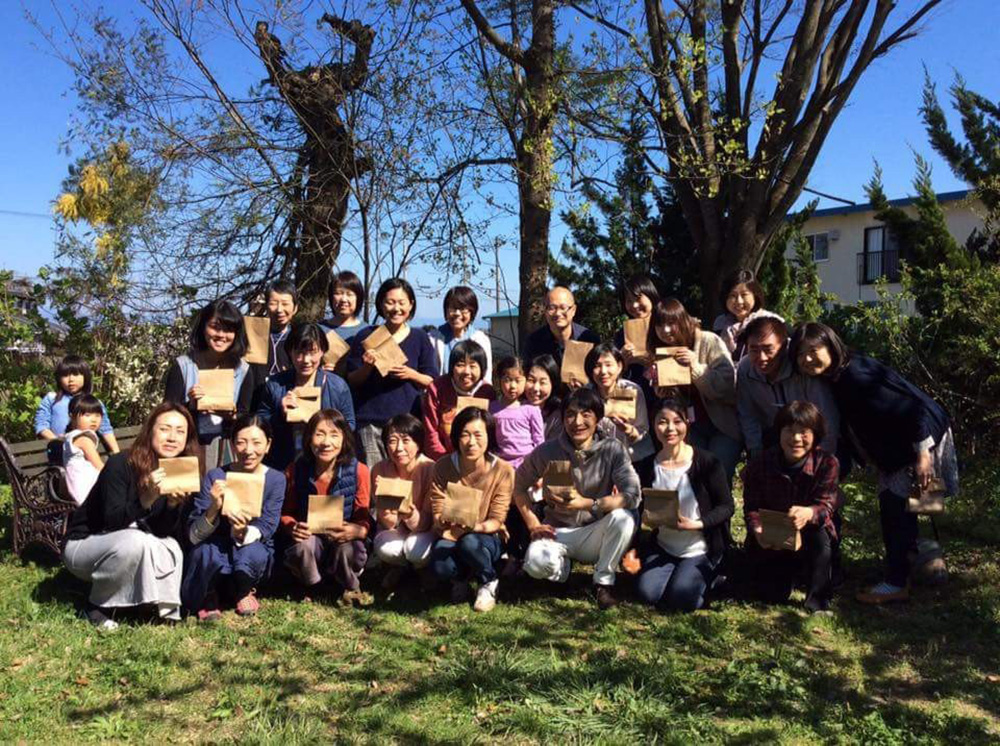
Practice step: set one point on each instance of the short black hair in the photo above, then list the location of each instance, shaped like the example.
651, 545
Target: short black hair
404, 424
813, 333
584, 400
467, 348
804, 414
284, 287
85, 404
349, 281
471, 414
462, 297
395, 283
508, 362
764, 325
637, 285
604, 348
304, 336
232, 321
742, 277
251, 420
74, 365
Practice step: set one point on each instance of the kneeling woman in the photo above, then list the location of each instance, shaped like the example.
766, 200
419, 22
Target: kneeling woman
462, 554
124, 539
679, 566
233, 550
328, 466
798, 479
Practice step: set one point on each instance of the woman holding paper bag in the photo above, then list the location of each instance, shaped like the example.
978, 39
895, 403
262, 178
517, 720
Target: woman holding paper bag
347, 297
381, 392
291, 397
125, 539
625, 415
797, 481
200, 379
703, 357
680, 564
325, 546
440, 405
231, 528
638, 298
470, 496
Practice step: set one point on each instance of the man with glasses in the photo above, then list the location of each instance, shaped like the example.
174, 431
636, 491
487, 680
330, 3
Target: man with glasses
560, 308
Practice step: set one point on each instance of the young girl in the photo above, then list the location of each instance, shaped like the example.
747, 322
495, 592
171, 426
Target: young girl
799, 479
519, 427
681, 564
464, 378
327, 466
544, 389
404, 538
80, 457
714, 425
124, 539
52, 416
462, 554
638, 298
347, 298
232, 555
304, 346
743, 298
894, 425
218, 341
378, 398
460, 308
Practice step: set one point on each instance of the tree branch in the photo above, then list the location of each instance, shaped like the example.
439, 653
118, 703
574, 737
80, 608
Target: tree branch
513, 53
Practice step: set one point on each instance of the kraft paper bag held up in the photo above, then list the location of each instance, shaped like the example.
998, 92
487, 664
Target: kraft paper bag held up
393, 494
244, 495
668, 371
778, 531
308, 402
388, 354
325, 512
558, 480
217, 385
258, 329
183, 476
660, 508
338, 348
471, 401
929, 501
461, 506
637, 334
574, 360
621, 404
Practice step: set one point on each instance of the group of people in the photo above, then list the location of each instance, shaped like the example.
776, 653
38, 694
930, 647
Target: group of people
548, 472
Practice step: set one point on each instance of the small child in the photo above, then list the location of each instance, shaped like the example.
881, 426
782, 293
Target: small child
79, 451
52, 418
519, 426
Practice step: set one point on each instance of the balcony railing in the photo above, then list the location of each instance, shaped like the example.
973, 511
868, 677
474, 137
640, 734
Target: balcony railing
873, 265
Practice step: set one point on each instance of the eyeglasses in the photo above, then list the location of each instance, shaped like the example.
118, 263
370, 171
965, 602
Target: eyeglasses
554, 309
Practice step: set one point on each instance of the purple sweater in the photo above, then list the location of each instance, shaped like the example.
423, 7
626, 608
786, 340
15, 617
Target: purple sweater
519, 430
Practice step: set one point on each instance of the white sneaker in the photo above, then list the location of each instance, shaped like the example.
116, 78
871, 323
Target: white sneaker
486, 597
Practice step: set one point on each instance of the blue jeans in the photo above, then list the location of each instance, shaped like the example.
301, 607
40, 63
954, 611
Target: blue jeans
674, 584
474, 556
703, 434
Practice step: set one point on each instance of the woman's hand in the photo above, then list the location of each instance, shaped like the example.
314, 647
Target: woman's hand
687, 524
575, 383
923, 470
800, 515
290, 401
628, 353
368, 358
388, 519
156, 478
684, 356
300, 532
543, 531
195, 393
347, 532
238, 528
217, 496
630, 431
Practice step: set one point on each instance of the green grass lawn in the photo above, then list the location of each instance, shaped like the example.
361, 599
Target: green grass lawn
539, 668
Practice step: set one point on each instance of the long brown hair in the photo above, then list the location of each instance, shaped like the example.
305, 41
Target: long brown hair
671, 311
141, 456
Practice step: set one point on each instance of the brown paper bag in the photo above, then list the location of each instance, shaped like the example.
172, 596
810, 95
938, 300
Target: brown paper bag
308, 402
325, 512
778, 531
183, 476
244, 495
637, 334
217, 385
388, 354
338, 348
660, 508
471, 401
258, 329
668, 371
929, 501
461, 506
622, 404
393, 494
574, 362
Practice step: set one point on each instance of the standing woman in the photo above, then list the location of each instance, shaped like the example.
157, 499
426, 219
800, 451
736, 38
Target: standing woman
125, 539
743, 298
460, 308
218, 341
544, 389
347, 299
378, 398
638, 298
461, 554
679, 566
894, 425
304, 346
714, 426
233, 554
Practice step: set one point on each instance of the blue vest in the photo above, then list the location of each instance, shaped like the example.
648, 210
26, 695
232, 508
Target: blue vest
345, 483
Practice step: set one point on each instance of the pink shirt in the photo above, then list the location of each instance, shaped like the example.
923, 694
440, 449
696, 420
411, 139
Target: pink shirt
519, 431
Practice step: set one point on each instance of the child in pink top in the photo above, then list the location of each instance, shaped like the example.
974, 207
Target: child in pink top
519, 426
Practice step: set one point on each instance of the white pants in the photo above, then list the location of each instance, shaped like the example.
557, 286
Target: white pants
601, 543
395, 547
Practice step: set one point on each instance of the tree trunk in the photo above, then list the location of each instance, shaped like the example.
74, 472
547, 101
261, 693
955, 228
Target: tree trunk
535, 217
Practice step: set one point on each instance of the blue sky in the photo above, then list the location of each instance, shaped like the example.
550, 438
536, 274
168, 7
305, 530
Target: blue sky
881, 122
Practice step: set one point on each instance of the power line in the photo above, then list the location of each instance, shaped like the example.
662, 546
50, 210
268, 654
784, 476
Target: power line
20, 214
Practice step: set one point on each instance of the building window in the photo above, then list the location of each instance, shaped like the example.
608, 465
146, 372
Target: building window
880, 256
820, 245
